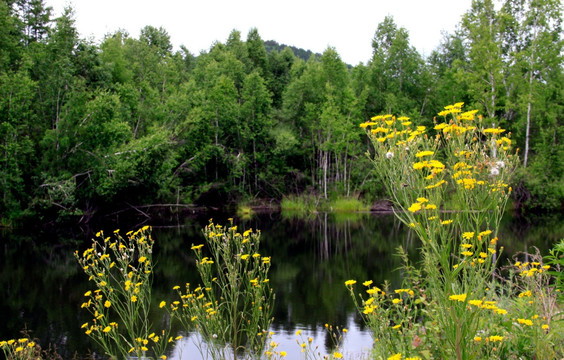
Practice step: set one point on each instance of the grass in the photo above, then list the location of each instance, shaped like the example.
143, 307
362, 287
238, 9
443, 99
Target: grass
302, 206
306, 205
347, 205
244, 211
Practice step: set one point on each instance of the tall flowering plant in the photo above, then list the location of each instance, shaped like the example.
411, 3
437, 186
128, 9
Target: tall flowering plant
449, 184
232, 307
121, 272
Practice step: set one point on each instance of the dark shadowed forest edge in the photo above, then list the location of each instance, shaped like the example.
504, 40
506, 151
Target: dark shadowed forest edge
129, 124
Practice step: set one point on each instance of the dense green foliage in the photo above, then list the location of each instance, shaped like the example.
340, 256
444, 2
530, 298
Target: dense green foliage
130, 121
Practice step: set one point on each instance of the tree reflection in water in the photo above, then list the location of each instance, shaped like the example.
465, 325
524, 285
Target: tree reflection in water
41, 287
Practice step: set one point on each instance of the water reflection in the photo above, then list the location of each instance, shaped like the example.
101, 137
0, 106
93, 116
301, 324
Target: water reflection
41, 286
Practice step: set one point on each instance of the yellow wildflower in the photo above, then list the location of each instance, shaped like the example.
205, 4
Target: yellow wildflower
485, 233
424, 153
415, 207
460, 298
493, 131
468, 235
495, 338
435, 185
525, 322
372, 291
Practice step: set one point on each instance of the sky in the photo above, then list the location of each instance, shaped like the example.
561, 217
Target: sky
347, 26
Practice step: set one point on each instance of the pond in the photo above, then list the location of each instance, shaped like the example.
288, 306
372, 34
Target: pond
42, 287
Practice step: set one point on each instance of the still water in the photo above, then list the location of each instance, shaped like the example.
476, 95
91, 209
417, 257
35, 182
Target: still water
42, 287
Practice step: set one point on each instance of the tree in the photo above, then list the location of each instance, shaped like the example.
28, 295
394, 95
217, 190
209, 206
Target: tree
539, 55
255, 120
56, 69
35, 17
483, 74
534, 55
113, 57
10, 38
397, 68
17, 115
157, 38
238, 48
257, 52
221, 110
280, 65
444, 62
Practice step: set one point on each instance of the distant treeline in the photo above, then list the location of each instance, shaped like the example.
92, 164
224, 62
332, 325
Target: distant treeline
271, 45
87, 126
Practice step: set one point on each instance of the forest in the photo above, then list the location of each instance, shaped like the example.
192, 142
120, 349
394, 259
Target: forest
89, 127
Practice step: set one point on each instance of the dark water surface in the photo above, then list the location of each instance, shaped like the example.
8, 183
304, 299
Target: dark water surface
42, 287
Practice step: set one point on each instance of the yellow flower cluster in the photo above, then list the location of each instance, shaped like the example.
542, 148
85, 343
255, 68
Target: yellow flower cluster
461, 166
530, 269
22, 348
121, 271
421, 204
466, 247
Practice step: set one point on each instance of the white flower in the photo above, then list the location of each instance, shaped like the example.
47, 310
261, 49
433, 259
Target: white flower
389, 155
494, 171
406, 148
500, 164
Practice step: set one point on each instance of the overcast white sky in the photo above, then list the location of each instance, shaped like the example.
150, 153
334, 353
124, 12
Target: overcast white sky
348, 26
